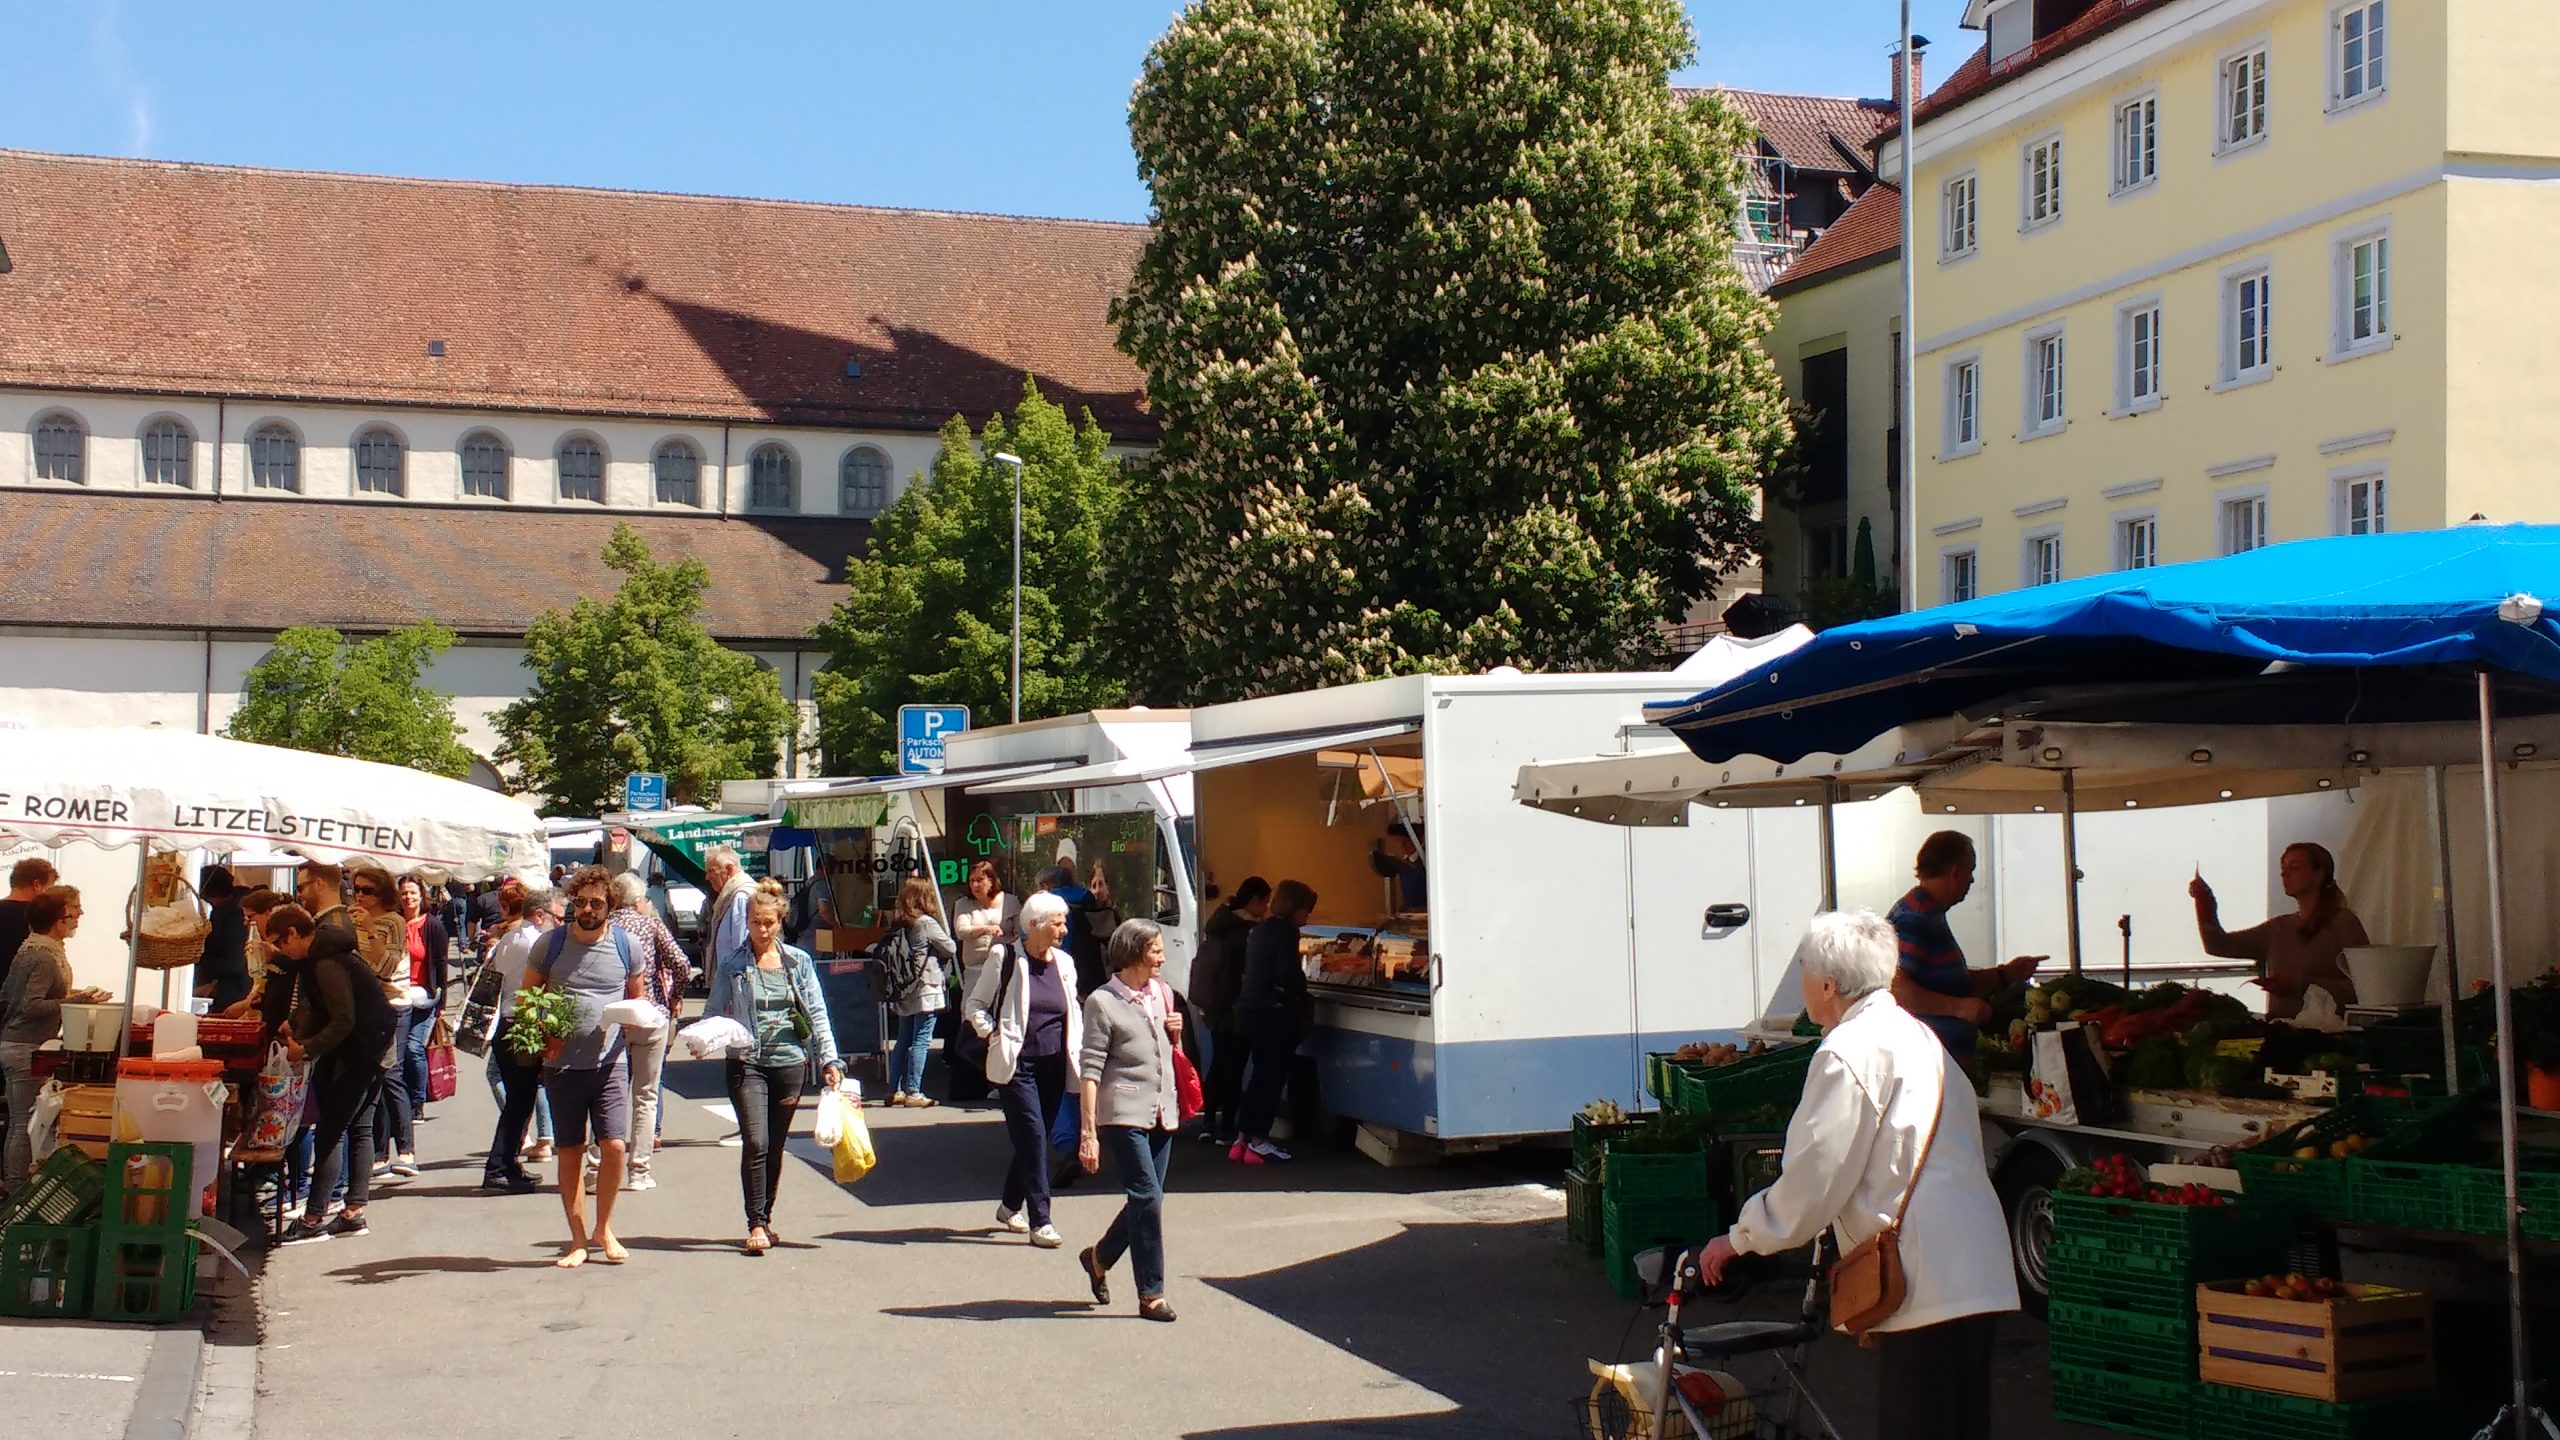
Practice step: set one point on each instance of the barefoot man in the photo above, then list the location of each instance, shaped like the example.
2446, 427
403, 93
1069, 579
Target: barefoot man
589, 1087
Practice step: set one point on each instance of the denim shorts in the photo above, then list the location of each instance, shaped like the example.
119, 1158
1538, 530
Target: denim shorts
601, 1096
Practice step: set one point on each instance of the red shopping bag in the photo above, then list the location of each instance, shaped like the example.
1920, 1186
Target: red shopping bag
443, 1076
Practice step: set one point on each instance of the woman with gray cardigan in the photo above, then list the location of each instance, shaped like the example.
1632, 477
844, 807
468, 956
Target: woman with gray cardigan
1131, 1029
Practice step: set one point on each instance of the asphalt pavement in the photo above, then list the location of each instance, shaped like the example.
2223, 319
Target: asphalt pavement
1329, 1297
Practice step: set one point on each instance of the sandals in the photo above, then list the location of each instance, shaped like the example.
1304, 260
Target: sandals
757, 1244
1099, 1277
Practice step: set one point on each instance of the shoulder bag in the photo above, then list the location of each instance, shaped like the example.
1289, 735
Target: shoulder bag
1188, 1098
1868, 1285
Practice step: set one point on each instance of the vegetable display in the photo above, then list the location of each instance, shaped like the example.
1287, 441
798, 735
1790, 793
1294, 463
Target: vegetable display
2116, 1177
1717, 1056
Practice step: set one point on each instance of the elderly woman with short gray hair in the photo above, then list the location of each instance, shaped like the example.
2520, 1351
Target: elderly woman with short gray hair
1131, 1108
1023, 1005
1887, 1127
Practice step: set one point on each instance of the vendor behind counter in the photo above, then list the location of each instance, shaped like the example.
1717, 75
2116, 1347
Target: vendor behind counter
2294, 952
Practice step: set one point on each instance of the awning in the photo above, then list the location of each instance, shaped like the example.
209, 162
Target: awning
2357, 630
1199, 757
863, 804
681, 840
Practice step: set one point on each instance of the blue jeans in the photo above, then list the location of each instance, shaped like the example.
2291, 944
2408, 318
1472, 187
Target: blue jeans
1138, 1230
413, 1057
498, 1092
906, 1062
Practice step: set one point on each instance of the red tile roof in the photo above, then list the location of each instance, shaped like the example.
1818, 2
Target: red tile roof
1977, 76
1870, 231
190, 562
203, 279
1810, 132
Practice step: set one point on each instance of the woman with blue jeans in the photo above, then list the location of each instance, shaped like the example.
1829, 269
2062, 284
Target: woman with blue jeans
920, 1003
1132, 1031
771, 989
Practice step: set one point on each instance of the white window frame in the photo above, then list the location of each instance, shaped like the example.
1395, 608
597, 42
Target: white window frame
2032, 549
2234, 285
1968, 205
2033, 423
2132, 526
1957, 441
2374, 66
2227, 508
2147, 104
1963, 563
2343, 485
2048, 145
2140, 369
2234, 69
2343, 342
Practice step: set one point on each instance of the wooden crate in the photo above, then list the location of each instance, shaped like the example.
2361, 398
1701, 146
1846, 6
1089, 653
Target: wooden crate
2370, 1342
88, 1118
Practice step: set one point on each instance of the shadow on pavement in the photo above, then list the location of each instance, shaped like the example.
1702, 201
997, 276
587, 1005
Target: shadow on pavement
925, 1235
381, 1272
1005, 1310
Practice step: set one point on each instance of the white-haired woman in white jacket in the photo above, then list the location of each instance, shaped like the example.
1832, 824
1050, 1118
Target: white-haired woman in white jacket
1026, 1006
1881, 1087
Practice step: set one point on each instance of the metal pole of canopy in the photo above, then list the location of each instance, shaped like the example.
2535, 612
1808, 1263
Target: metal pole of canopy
2071, 865
133, 948
1830, 845
2440, 797
2521, 1408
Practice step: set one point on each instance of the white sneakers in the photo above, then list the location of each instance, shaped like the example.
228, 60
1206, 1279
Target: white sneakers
1047, 1237
1008, 1218
642, 1181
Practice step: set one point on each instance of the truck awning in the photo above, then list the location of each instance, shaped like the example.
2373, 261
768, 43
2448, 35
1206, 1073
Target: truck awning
1199, 757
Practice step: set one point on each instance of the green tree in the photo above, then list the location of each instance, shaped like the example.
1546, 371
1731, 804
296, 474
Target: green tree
1441, 321
315, 691
635, 683
928, 613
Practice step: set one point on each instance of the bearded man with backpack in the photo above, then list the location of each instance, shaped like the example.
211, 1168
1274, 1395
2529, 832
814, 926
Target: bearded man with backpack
342, 1023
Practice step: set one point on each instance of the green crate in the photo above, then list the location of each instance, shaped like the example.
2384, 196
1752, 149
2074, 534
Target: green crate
1582, 1210
1774, 1080
1589, 1136
2214, 1241
1678, 1175
2414, 1129
1745, 1164
1661, 1075
2096, 1277
65, 1190
2225, 1412
45, 1270
149, 1186
2130, 1403
144, 1274
1627, 1232
2151, 1347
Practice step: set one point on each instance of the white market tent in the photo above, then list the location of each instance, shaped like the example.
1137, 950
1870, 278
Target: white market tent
168, 791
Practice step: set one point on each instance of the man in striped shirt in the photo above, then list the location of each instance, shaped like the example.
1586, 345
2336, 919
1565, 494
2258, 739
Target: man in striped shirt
1934, 983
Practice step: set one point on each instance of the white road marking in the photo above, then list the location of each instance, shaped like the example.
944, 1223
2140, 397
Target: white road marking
65, 1375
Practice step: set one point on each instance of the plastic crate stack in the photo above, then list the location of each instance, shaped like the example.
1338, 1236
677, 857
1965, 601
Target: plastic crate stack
2122, 1277
145, 1266
1582, 1216
49, 1239
1651, 1198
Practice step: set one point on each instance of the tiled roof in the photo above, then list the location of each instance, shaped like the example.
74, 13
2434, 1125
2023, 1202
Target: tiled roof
1811, 132
202, 279
1870, 230
150, 561
1978, 76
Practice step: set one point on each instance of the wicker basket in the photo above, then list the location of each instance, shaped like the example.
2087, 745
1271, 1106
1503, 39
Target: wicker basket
167, 952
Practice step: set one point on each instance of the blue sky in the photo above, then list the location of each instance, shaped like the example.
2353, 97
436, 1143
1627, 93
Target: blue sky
1006, 105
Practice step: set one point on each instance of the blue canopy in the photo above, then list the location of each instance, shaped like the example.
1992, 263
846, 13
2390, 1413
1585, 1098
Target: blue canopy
2196, 638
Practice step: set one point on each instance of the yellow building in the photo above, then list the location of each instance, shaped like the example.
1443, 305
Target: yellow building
2198, 275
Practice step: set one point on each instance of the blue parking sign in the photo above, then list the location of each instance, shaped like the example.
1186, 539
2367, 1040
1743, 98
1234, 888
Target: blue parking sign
646, 790
921, 732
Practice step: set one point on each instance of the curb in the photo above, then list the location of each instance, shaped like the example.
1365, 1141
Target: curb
165, 1401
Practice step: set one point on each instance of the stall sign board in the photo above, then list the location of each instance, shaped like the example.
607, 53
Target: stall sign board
922, 729
646, 790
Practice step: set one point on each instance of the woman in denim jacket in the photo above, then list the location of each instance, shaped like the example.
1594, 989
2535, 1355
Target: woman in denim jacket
771, 989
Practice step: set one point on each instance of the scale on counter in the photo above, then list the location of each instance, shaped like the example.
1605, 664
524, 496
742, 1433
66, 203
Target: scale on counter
2364, 1017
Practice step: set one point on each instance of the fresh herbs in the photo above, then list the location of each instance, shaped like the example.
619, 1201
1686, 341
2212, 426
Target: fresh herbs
540, 1017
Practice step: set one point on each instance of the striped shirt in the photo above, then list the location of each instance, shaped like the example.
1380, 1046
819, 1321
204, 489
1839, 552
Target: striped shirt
1930, 958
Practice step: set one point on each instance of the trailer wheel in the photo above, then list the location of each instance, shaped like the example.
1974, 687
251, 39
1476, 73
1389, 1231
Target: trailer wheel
2026, 1193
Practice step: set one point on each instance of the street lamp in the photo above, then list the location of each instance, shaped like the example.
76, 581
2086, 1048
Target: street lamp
1906, 401
1015, 461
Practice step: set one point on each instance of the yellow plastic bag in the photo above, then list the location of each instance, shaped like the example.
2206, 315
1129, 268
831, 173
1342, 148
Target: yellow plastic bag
853, 1154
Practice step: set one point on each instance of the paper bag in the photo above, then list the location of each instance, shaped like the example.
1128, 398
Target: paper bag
2067, 1077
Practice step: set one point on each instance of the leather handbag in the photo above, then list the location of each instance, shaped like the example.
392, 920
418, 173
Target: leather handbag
1868, 1285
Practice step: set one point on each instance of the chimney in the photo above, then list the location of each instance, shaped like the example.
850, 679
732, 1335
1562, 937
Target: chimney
1901, 72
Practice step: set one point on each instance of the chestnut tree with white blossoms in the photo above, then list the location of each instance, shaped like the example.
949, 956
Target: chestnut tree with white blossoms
1441, 322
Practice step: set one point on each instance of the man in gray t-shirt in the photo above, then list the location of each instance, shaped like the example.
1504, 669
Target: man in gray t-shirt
588, 1086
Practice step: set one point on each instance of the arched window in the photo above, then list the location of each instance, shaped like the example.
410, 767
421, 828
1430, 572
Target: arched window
62, 448
379, 462
679, 470
275, 458
484, 466
581, 470
865, 475
168, 454
772, 483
